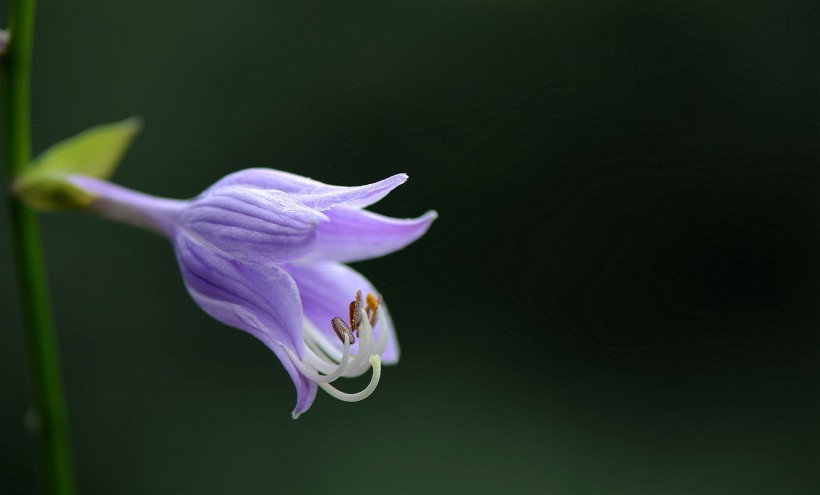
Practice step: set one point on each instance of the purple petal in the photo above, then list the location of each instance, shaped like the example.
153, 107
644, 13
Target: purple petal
262, 300
353, 197
253, 225
327, 290
355, 235
268, 178
309, 192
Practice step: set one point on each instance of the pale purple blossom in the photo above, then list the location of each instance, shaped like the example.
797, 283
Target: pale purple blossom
263, 251
4, 41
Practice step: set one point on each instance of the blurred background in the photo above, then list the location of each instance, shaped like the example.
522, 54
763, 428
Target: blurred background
620, 295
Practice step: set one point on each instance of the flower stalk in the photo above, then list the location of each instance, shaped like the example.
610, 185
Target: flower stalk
47, 417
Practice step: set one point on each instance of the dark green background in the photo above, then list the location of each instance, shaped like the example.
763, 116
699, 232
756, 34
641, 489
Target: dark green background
621, 294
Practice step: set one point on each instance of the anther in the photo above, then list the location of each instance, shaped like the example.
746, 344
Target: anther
372, 305
341, 329
355, 317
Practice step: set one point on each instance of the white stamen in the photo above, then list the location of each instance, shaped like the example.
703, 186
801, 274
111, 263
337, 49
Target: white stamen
376, 363
315, 376
366, 349
381, 344
324, 363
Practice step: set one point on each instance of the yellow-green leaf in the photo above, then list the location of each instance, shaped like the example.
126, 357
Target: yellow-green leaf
51, 192
94, 152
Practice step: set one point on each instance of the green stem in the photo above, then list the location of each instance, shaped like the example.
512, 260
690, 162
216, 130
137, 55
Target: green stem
47, 417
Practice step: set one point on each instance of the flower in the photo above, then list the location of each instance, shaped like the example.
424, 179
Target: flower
263, 250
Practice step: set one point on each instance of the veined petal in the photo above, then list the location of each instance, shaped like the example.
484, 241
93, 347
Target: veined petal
311, 193
260, 299
253, 225
354, 235
327, 289
268, 178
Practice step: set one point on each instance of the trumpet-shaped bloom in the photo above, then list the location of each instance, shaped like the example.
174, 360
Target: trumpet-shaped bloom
263, 251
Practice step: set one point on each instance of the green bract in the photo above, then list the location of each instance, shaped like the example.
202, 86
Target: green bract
94, 152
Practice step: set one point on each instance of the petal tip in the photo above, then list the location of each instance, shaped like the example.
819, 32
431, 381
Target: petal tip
395, 180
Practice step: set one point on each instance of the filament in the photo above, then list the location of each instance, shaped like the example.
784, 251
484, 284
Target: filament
376, 364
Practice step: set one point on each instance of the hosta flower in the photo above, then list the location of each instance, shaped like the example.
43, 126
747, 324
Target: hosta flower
263, 251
